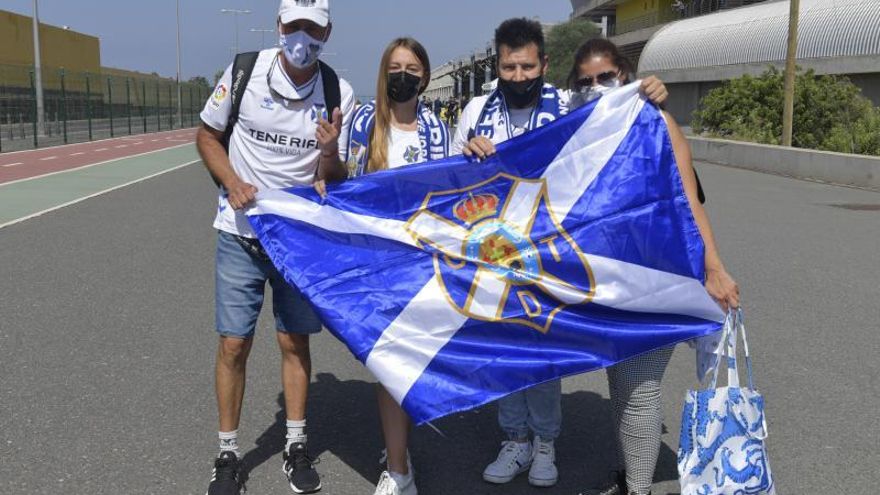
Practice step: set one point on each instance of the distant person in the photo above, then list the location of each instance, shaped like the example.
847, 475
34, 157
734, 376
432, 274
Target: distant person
451, 112
438, 104
521, 102
286, 135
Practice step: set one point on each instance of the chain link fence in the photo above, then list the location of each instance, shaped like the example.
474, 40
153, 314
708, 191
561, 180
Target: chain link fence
79, 106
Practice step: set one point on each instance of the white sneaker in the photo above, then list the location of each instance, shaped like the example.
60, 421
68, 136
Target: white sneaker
513, 459
383, 457
396, 484
543, 471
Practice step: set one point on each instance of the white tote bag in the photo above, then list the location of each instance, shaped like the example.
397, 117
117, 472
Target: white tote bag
722, 448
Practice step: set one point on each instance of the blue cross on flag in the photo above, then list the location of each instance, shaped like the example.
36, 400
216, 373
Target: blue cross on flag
456, 283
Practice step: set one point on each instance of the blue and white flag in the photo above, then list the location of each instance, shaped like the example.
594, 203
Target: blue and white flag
456, 283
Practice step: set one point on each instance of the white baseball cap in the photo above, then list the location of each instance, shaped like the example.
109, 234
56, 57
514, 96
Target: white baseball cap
317, 11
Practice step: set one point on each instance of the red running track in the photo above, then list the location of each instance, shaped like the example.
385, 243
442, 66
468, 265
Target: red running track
17, 165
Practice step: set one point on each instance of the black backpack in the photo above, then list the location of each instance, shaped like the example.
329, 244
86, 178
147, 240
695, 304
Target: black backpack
243, 67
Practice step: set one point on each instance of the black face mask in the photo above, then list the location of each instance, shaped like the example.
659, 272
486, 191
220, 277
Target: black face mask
403, 86
521, 94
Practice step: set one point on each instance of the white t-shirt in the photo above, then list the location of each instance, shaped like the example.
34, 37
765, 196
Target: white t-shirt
273, 145
404, 148
519, 122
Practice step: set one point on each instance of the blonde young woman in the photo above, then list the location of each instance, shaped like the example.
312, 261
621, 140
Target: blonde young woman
392, 131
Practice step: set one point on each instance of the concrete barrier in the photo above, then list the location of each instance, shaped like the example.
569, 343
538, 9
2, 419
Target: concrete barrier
824, 166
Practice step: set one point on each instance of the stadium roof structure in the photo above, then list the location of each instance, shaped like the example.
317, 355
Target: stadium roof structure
834, 37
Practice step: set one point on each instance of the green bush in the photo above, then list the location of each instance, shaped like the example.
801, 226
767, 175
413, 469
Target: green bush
562, 42
830, 113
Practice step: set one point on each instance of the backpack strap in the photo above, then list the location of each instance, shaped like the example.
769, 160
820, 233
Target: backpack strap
242, 68
332, 92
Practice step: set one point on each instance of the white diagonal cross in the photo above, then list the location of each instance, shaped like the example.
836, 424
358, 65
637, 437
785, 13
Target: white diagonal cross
490, 289
427, 323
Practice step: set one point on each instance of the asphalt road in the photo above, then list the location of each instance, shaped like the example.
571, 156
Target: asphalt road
106, 354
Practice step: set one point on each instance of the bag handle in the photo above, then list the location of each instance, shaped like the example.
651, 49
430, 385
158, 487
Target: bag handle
741, 330
725, 338
734, 326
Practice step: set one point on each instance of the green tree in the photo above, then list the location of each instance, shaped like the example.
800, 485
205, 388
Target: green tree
830, 113
562, 43
199, 81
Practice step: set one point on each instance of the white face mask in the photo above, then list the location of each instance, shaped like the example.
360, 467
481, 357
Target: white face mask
300, 49
587, 95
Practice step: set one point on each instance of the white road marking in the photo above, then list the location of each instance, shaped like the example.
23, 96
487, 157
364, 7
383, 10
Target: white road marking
121, 146
48, 158
91, 165
77, 154
13, 164
105, 191
101, 149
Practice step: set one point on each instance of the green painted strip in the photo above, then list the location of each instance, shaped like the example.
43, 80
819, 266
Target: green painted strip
27, 198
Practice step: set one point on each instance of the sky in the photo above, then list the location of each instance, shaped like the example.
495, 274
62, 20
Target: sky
142, 35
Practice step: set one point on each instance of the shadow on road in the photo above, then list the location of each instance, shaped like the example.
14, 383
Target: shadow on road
343, 421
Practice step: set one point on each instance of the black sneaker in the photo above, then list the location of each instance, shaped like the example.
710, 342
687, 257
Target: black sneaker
616, 485
299, 467
226, 478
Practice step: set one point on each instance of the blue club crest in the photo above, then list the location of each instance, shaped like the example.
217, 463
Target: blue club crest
500, 254
318, 112
411, 155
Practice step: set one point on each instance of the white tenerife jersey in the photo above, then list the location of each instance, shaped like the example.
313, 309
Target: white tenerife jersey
273, 144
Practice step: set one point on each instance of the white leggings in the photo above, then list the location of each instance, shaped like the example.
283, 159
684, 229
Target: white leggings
634, 387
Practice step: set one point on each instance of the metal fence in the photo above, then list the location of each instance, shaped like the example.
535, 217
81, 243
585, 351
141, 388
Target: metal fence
80, 106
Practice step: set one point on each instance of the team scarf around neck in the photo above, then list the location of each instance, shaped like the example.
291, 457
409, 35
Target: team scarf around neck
494, 120
433, 137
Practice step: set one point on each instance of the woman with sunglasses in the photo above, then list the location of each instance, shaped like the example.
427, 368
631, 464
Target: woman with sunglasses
634, 384
392, 131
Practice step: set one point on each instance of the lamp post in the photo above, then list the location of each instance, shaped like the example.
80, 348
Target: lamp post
262, 35
488, 64
790, 72
235, 13
179, 106
38, 72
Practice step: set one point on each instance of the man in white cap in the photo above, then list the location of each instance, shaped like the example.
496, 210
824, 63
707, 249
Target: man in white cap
293, 114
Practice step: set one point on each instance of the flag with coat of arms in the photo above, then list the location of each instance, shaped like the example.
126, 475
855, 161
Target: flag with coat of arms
456, 283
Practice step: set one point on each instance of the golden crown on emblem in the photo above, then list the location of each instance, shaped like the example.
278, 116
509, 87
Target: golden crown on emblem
472, 209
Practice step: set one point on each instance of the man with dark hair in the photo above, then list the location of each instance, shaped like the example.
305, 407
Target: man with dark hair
522, 102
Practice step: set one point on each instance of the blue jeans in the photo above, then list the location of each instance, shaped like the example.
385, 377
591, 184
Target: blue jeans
537, 409
241, 279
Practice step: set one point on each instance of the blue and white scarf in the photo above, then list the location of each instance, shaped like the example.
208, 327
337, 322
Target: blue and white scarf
494, 120
433, 136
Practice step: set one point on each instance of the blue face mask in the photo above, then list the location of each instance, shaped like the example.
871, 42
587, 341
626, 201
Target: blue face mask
300, 49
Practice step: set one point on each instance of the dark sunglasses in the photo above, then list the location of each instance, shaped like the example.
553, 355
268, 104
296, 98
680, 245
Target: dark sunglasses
603, 79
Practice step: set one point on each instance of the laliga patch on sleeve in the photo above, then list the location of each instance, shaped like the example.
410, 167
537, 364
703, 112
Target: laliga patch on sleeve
220, 94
